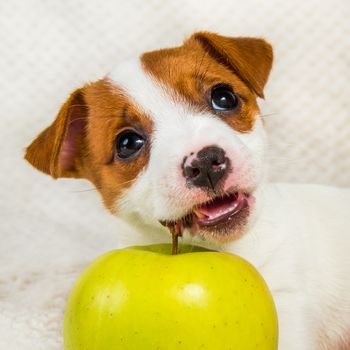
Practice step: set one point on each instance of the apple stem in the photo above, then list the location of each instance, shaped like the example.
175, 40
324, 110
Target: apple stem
176, 232
175, 243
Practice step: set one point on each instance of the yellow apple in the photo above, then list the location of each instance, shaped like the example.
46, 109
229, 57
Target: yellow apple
144, 298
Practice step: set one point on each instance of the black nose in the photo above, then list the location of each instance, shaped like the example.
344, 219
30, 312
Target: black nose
207, 169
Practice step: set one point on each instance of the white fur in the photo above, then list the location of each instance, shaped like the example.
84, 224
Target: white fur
161, 192
300, 241
300, 244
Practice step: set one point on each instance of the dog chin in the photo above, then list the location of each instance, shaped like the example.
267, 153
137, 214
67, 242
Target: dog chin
229, 230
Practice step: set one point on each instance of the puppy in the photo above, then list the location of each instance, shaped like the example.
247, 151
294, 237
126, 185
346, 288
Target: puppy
174, 139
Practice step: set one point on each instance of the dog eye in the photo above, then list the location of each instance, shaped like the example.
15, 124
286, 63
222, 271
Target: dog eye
128, 144
223, 98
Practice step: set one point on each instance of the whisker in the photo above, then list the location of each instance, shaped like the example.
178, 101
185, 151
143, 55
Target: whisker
86, 190
268, 115
99, 188
126, 182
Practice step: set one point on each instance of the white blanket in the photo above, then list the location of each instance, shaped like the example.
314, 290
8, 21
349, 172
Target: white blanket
50, 230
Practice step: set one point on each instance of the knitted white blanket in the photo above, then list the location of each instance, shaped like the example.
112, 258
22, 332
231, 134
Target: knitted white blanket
49, 230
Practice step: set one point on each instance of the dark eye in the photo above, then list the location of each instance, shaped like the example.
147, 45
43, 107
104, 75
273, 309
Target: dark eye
223, 98
128, 144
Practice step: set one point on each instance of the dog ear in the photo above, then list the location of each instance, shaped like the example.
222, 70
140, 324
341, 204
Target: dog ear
249, 58
57, 150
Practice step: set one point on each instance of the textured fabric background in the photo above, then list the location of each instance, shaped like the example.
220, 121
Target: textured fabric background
50, 230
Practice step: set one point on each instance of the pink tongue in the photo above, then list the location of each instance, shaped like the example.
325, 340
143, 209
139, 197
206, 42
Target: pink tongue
220, 206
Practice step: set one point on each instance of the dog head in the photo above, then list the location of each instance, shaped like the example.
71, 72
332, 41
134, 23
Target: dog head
173, 137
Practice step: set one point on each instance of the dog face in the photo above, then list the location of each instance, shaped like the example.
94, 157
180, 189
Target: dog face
173, 137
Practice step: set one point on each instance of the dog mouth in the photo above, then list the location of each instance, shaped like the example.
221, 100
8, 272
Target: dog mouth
222, 217
220, 209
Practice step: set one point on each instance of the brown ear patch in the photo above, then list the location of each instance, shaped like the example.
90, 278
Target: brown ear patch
191, 70
249, 58
55, 149
77, 122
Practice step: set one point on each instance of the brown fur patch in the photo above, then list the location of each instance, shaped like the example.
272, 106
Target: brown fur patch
110, 113
106, 112
44, 152
192, 69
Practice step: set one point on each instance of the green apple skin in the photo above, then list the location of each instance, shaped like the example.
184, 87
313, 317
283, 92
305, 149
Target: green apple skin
144, 298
